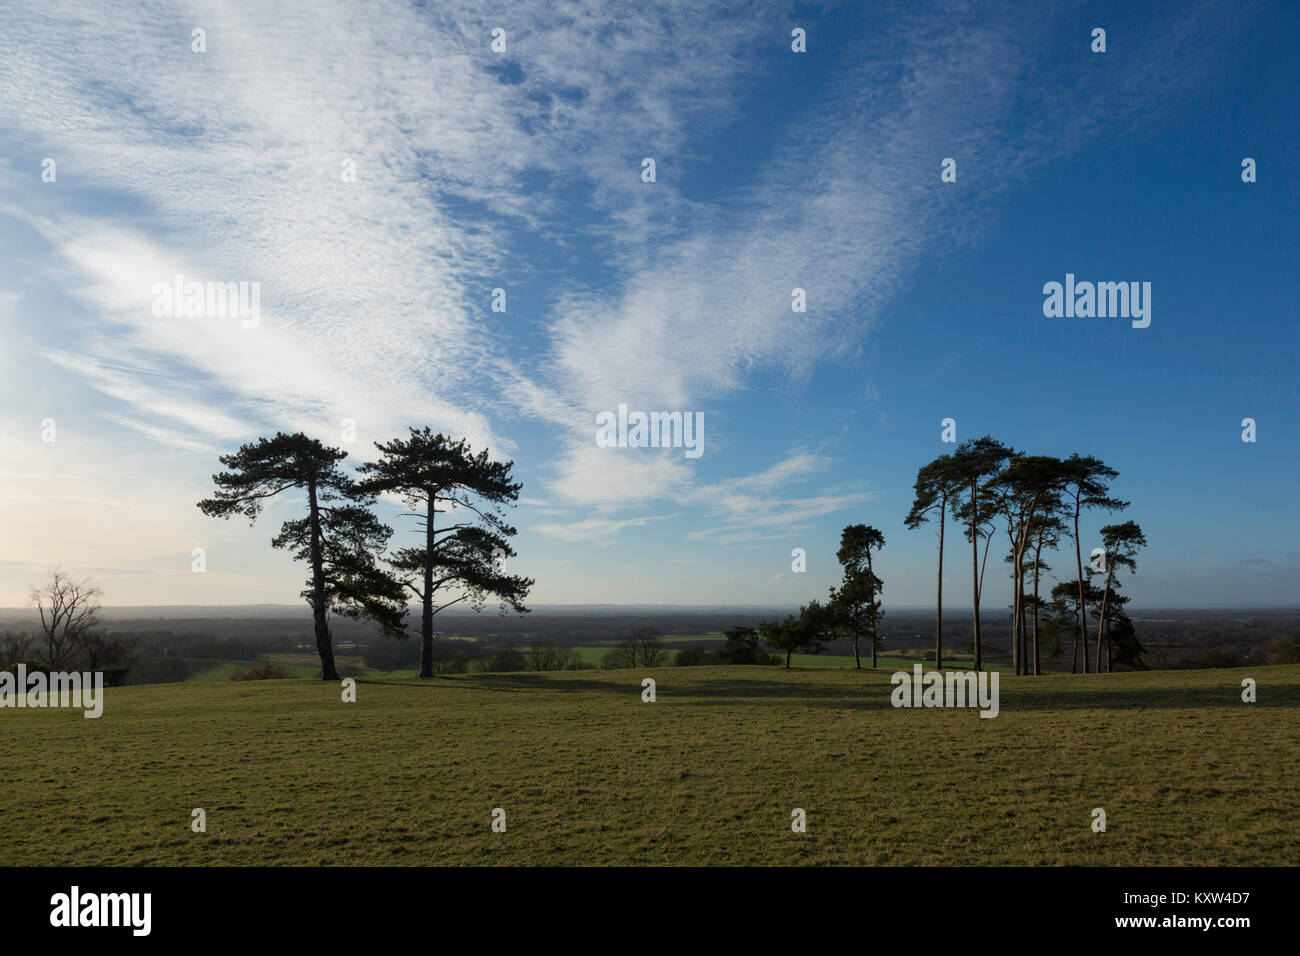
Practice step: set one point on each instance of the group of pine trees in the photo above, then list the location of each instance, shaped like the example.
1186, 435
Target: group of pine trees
345, 544
1035, 500
990, 489
987, 488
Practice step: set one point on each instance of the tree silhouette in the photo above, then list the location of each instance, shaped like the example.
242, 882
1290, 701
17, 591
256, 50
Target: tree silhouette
1028, 483
854, 607
69, 614
1045, 534
805, 631
936, 486
339, 538
1121, 543
973, 463
1087, 485
743, 647
434, 475
1121, 639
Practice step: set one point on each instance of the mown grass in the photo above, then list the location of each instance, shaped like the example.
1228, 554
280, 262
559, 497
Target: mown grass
709, 774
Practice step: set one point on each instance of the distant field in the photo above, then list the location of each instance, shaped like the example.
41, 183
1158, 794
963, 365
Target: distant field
297, 665
588, 774
593, 655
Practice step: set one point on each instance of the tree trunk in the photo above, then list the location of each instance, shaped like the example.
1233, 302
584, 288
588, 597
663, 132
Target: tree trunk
1015, 623
1015, 599
938, 613
1074, 650
324, 643
871, 577
1037, 558
426, 618
1083, 607
975, 567
1021, 546
1101, 624
787, 658
1015, 669
1021, 630
857, 657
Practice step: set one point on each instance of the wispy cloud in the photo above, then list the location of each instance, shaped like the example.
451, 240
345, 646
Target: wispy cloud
521, 170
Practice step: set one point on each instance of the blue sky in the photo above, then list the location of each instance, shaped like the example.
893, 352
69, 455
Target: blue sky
521, 170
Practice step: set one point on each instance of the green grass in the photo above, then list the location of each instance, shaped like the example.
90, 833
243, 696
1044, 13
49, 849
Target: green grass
588, 774
592, 656
711, 636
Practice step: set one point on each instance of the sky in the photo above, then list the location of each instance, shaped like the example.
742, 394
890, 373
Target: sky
379, 168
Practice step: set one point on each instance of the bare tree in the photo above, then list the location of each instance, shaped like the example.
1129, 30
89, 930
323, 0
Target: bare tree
69, 614
650, 648
642, 648
549, 656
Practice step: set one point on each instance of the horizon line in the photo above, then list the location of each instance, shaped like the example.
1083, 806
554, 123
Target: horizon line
642, 605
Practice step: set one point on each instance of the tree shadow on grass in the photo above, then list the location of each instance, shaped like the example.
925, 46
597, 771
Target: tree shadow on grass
868, 695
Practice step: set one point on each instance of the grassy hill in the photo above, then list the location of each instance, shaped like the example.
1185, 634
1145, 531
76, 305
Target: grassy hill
709, 774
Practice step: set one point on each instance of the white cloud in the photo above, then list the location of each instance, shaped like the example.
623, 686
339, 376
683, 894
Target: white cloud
225, 166
592, 528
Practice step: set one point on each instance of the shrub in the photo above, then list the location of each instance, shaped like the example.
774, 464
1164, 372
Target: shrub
262, 670
695, 657
743, 647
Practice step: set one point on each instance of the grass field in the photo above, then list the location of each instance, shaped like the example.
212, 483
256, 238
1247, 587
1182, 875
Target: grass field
709, 774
